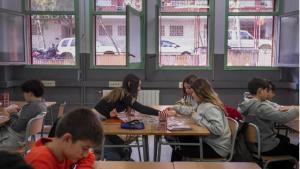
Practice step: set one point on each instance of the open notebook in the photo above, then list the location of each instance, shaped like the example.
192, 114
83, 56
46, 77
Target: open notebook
177, 125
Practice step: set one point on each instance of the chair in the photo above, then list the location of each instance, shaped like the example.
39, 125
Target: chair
47, 128
34, 126
253, 138
233, 126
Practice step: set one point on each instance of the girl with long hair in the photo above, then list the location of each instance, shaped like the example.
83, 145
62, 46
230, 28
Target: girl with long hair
210, 113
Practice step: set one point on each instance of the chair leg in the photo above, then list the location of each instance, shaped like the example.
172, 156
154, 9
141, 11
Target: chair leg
265, 165
139, 150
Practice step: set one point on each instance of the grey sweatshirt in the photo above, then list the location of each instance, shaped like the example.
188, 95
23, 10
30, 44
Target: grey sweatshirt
29, 111
211, 117
264, 115
186, 105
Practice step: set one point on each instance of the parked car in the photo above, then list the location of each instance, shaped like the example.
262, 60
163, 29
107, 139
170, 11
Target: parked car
106, 49
246, 40
66, 48
171, 47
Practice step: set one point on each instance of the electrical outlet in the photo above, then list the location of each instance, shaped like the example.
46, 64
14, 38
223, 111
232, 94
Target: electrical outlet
49, 83
180, 85
114, 83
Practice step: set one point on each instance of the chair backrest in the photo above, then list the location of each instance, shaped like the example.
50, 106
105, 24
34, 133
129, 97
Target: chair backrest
61, 110
253, 137
233, 126
35, 125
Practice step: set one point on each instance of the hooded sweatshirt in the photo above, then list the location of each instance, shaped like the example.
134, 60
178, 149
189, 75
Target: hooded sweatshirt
41, 157
186, 105
264, 115
213, 118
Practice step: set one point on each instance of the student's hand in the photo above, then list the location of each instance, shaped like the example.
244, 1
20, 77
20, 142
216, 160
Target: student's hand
113, 113
170, 109
12, 108
284, 108
171, 112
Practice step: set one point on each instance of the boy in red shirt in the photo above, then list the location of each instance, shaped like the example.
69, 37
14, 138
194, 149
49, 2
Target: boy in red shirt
76, 133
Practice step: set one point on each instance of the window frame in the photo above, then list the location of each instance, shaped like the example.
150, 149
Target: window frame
210, 29
21, 14
92, 20
275, 14
28, 43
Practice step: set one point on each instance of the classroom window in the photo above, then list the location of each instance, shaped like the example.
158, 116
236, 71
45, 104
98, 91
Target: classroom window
110, 41
52, 36
110, 47
186, 43
250, 34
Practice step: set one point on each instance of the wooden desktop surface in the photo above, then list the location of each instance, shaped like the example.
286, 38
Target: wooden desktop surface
22, 103
294, 125
132, 165
215, 165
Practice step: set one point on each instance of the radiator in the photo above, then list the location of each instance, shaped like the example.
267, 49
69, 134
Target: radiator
145, 97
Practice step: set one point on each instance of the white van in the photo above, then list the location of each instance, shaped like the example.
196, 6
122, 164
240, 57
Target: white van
66, 48
245, 40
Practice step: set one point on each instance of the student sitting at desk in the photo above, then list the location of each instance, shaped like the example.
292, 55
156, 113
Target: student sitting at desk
210, 114
12, 134
122, 99
187, 104
263, 114
76, 133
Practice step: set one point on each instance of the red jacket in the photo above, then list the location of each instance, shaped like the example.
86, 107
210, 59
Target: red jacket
232, 112
41, 157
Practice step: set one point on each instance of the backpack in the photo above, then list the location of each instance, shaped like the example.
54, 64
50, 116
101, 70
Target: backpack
242, 153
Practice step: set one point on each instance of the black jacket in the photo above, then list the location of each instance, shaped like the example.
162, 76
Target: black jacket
105, 107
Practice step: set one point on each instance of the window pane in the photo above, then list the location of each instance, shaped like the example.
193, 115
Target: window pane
117, 5
110, 45
14, 5
12, 38
185, 42
184, 6
52, 5
251, 41
53, 39
251, 5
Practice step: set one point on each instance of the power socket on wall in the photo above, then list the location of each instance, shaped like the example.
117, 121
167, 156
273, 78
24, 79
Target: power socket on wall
180, 85
114, 83
48, 83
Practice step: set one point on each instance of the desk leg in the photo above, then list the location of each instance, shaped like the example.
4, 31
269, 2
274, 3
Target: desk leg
145, 148
201, 148
159, 149
102, 149
156, 138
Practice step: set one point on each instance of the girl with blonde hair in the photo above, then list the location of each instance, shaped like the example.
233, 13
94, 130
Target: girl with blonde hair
210, 113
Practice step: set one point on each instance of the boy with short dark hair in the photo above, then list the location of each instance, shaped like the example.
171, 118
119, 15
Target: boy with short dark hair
258, 111
76, 133
12, 134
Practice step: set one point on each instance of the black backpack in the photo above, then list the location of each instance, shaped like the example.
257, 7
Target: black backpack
242, 153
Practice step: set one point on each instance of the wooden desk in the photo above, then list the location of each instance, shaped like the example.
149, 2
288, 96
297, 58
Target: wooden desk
22, 103
132, 165
294, 125
215, 165
115, 129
